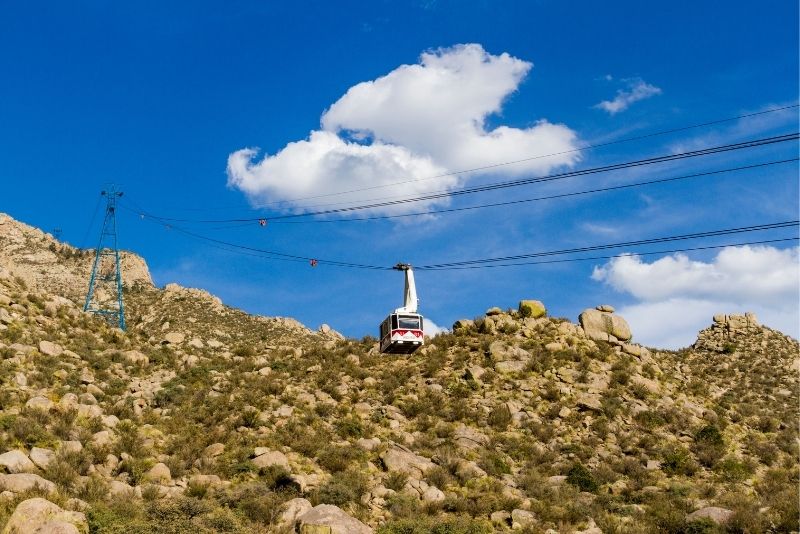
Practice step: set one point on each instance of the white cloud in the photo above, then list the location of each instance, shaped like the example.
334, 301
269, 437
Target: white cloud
744, 128
417, 121
678, 296
637, 90
431, 328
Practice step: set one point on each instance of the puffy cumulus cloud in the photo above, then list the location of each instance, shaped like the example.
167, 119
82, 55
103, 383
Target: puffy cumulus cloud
637, 90
677, 296
431, 329
326, 164
416, 122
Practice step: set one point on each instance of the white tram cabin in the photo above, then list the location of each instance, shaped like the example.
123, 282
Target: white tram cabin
401, 333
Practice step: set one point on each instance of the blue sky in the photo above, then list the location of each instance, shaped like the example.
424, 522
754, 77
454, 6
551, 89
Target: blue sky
157, 98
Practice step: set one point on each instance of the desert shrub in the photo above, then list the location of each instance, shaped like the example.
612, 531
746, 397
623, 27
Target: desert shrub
700, 526
402, 505
709, 434
336, 458
244, 351
61, 471
766, 451
678, 461
196, 490
136, 468
581, 478
709, 445
396, 480
128, 439
551, 393
732, 469
249, 419
500, 417
639, 391
116, 516
747, 518
277, 478
306, 440
94, 489
342, 488
324, 409
767, 423
150, 492
649, 419
611, 405
349, 427
255, 501
439, 476
433, 363
667, 513
176, 511
481, 499
600, 427
30, 429
436, 525
223, 520
494, 463
535, 485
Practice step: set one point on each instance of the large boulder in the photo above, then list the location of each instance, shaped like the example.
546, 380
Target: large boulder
500, 351
136, 357
716, 514
532, 308
292, 510
16, 462
42, 457
22, 482
266, 458
39, 403
158, 474
399, 458
174, 338
40, 516
329, 519
50, 349
599, 325
510, 367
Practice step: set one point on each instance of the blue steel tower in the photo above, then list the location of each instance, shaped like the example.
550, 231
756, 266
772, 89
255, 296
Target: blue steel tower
104, 297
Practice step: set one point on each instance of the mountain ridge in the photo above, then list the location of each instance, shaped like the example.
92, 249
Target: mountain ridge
202, 418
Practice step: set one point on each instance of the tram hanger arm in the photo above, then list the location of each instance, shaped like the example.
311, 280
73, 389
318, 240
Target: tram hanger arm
410, 303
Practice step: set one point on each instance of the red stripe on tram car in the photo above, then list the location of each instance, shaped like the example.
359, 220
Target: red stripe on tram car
417, 333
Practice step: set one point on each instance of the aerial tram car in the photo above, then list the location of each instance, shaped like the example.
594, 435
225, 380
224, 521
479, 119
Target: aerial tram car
401, 332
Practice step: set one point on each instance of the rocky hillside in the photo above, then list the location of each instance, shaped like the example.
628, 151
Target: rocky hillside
47, 265
201, 418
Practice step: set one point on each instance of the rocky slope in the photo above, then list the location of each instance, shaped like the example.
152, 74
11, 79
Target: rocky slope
201, 418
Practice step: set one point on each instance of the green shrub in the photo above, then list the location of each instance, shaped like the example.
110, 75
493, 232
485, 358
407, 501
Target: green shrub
255, 501
436, 525
129, 439
494, 463
500, 417
709, 434
349, 427
678, 461
403, 505
581, 478
335, 458
649, 419
244, 351
342, 488
700, 526
439, 476
732, 469
396, 480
